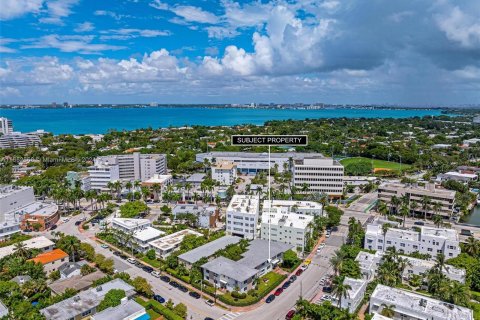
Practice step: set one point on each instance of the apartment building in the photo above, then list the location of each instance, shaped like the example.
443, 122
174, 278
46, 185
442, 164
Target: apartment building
80, 178
320, 175
280, 224
254, 162
412, 306
446, 198
141, 230
354, 295
207, 215
224, 172
165, 246
428, 241
242, 216
137, 166
19, 140
102, 173
6, 126
301, 207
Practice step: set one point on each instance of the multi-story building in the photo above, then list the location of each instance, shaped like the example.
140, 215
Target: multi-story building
141, 231
207, 215
165, 246
137, 166
160, 180
370, 262
6, 126
129, 225
252, 162
445, 198
320, 175
102, 173
80, 178
126, 310
408, 305
354, 295
301, 207
39, 216
242, 216
224, 172
19, 140
428, 241
51, 260
457, 176
280, 224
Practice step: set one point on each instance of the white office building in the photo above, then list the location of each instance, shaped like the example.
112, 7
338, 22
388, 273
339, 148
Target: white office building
6, 126
321, 175
254, 162
412, 306
286, 226
301, 207
242, 216
224, 172
102, 173
137, 166
428, 241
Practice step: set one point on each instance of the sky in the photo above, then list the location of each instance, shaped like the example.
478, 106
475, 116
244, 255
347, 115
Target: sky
409, 52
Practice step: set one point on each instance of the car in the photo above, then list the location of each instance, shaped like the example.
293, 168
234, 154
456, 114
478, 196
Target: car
299, 272
123, 256
159, 298
77, 223
327, 235
27, 230
278, 291
270, 298
194, 294
182, 288
327, 289
131, 260
138, 264
66, 220
53, 227
292, 278
174, 284
208, 318
286, 285
466, 232
210, 303
165, 278
156, 274
307, 262
419, 223
117, 253
304, 267
320, 247
290, 314
147, 269
104, 246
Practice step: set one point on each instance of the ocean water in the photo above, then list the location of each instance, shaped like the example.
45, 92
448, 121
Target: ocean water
100, 120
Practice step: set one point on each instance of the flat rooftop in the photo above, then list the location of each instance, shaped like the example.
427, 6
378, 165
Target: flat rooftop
196, 177
158, 178
355, 284
208, 249
34, 243
417, 303
261, 155
123, 311
367, 260
224, 165
38, 208
292, 203
172, 240
427, 190
429, 264
244, 204
279, 218
148, 234
402, 234
6, 190
130, 223
448, 234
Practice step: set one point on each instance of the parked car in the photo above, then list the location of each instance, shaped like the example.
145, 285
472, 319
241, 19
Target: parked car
293, 278
270, 298
419, 223
304, 267
466, 232
299, 272
77, 223
159, 298
53, 227
208, 318
156, 274
278, 291
147, 269
327, 289
286, 285
210, 303
123, 256
165, 278
194, 294
139, 264
131, 260
290, 314
174, 284
321, 246
66, 219
104, 246
182, 288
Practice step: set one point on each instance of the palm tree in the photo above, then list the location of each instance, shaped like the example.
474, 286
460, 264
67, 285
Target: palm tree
72, 245
188, 186
336, 261
394, 203
437, 220
340, 290
388, 310
21, 250
404, 211
440, 262
413, 206
437, 206
156, 188
382, 208
459, 294
472, 247
425, 205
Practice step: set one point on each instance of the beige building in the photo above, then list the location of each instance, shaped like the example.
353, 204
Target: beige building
225, 173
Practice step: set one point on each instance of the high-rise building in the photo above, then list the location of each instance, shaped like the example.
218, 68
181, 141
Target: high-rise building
101, 173
6, 126
19, 140
137, 166
320, 175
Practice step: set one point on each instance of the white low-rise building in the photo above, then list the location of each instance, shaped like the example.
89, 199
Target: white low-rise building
129, 224
224, 172
354, 295
102, 173
141, 231
165, 246
42, 244
457, 176
303, 207
279, 224
428, 241
412, 306
242, 216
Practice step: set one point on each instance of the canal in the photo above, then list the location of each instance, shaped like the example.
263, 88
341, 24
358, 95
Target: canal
474, 218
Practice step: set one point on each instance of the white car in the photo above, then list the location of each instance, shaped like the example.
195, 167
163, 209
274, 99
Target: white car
66, 220
210, 303
156, 274
131, 260
304, 267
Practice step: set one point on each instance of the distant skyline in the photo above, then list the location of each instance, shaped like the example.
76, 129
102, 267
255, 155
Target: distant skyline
223, 51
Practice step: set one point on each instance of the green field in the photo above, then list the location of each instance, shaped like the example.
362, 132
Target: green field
377, 164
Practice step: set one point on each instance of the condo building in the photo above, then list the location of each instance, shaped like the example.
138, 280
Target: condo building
446, 198
408, 305
280, 224
224, 172
429, 240
102, 173
319, 175
6, 126
301, 207
242, 216
137, 166
354, 295
165, 246
81, 178
19, 140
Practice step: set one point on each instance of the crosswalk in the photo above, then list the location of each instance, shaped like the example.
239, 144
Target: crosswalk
230, 316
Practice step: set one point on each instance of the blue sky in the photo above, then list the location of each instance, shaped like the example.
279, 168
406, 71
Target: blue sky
207, 51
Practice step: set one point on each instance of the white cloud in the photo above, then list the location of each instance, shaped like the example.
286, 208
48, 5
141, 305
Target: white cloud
80, 44
124, 34
194, 14
4, 48
218, 32
57, 10
84, 27
157, 4
460, 27
11, 9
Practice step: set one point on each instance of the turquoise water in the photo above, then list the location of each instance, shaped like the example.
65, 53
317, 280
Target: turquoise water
474, 218
100, 120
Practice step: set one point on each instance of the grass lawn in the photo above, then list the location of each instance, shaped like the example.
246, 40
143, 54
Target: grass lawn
154, 263
377, 164
476, 311
156, 308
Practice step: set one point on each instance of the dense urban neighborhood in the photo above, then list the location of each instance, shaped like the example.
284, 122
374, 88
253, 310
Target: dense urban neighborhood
372, 219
